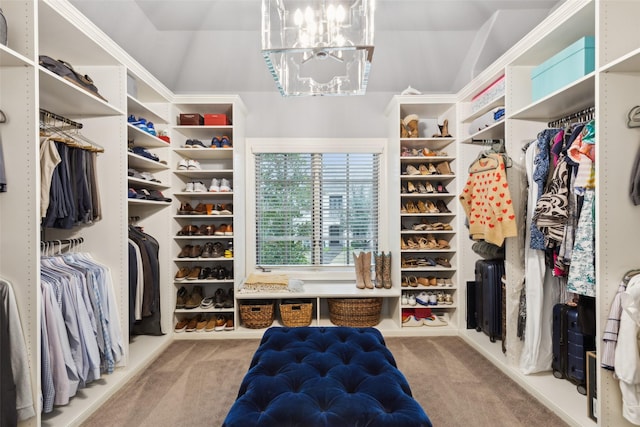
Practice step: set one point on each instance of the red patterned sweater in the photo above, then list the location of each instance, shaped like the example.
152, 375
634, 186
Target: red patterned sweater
487, 202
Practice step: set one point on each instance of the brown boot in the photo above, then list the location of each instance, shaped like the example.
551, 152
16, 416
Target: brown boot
411, 122
358, 265
365, 268
386, 270
444, 129
379, 260
404, 133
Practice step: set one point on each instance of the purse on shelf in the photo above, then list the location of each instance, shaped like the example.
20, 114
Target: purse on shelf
66, 71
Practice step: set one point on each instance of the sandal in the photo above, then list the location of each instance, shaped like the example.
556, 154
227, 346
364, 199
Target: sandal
404, 282
428, 153
413, 281
403, 244
412, 243
443, 262
443, 244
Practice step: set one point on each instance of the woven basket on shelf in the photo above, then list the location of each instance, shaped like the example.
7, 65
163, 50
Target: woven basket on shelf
355, 312
257, 314
296, 313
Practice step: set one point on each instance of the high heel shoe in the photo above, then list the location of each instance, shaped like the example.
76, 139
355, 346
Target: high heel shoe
411, 207
442, 207
422, 189
430, 188
411, 188
444, 169
431, 208
432, 169
422, 208
424, 170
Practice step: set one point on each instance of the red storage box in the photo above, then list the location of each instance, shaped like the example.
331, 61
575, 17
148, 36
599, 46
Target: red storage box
191, 119
216, 120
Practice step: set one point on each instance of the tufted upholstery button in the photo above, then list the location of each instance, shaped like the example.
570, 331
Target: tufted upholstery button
324, 376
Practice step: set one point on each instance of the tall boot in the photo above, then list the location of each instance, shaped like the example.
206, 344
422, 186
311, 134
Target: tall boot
379, 260
444, 129
411, 122
386, 270
404, 133
365, 264
358, 265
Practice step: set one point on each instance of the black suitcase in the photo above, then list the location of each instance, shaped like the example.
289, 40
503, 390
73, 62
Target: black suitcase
570, 347
489, 297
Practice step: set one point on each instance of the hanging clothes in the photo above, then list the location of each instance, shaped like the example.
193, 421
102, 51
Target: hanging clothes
627, 354
71, 179
487, 202
81, 337
540, 293
16, 401
148, 249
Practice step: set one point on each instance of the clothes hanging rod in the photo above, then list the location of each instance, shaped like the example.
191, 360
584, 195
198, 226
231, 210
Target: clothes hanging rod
60, 118
568, 118
61, 242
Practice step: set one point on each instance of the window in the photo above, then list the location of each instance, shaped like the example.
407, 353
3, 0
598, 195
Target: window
315, 209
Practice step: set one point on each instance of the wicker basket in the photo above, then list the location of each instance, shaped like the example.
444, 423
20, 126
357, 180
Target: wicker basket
257, 314
296, 313
355, 312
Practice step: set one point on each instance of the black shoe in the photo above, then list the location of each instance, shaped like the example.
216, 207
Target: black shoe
204, 273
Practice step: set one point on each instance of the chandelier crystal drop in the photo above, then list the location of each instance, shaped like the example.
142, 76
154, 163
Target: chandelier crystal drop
318, 47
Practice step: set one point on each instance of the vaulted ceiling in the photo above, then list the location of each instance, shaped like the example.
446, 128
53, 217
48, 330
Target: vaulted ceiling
213, 46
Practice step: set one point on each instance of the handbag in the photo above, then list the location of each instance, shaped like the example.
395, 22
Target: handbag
66, 71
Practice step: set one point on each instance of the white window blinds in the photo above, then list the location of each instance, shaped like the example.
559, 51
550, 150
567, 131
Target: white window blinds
315, 208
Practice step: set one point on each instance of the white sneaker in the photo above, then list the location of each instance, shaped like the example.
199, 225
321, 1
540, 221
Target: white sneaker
183, 164
412, 299
225, 185
434, 321
215, 185
412, 321
199, 187
423, 298
193, 165
189, 187
405, 299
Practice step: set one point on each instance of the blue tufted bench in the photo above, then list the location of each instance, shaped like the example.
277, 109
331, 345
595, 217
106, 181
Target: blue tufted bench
324, 376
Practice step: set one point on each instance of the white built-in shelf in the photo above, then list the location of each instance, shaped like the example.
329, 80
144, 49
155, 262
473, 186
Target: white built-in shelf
203, 173
143, 202
144, 139
11, 58
204, 282
139, 109
143, 183
205, 153
66, 99
203, 194
323, 290
202, 217
138, 162
203, 310
497, 102
434, 144
202, 259
495, 131
567, 100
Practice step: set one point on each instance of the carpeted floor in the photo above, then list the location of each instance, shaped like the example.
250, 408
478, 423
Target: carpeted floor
194, 383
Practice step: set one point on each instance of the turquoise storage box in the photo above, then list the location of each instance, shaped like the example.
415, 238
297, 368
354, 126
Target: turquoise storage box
563, 68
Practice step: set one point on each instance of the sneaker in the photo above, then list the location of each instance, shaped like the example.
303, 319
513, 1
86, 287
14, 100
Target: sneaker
423, 298
225, 185
220, 323
229, 230
193, 323
182, 273
225, 142
188, 143
151, 129
434, 320
181, 325
193, 165
206, 303
215, 185
405, 299
412, 321
229, 325
412, 299
148, 177
189, 187
183, 165
196, 143
211, 325
199, 187
225, 209
202, 323
215, 142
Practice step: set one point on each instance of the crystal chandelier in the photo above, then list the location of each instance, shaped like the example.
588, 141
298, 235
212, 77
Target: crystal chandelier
318, 47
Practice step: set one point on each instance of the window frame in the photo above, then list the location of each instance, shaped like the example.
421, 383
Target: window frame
312, 145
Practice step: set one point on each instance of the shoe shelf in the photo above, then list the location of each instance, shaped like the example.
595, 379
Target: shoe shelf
496, 102
205, 153
139, 109
495, 131
140, 162
204, 173
204, 281
435, 144
203, 310
144, 139
212, 216
11, 58
203, 194
143, 183
202, 259
142, 202
437, 306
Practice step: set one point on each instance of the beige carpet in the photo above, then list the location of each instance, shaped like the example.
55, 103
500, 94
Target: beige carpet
194, 383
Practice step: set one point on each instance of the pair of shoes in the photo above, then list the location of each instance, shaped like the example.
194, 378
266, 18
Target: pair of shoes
190, 251
194, 299
434, 320
220, 185
224, 230
189, 230
444, 169
194, 143
195, 187
189, 164
185, 209
186, 273
213, 250
142, 151
427, 298
222, 142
